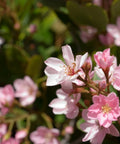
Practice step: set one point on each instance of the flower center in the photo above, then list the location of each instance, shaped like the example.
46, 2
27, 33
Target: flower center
48, 137
106, 108
69, 70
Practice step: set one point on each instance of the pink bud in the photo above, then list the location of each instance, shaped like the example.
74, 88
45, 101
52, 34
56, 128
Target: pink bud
69, 130
21, 134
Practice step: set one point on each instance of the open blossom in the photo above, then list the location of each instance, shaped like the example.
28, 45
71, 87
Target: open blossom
103, 59
58, 72
44, 135
11, 141
6, 95
95, 132
6, 98
26, 90
104, 109
66, 104
114, 30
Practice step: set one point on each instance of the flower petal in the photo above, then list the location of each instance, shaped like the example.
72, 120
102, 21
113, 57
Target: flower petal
54, 63
68, 55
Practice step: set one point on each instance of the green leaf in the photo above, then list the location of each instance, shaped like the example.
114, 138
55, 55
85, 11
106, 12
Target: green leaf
82, 103
34, 67
46, 52
60, 118
88, 15
115, 10
79, 122
16, 59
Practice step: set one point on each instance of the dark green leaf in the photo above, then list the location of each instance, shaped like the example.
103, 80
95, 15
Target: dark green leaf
88, 15
115, 10
34, 67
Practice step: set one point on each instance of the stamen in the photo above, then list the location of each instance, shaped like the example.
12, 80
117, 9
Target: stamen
106, 108
69, 70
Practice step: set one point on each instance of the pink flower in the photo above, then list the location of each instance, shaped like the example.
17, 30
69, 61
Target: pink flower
6, 95
26, 90
95, 132
21, 134
87, 33
106, 39
11, 141
58, 72
66, 104
114, 74
104, 109
112, 68
103, 59
6, 98
44, 135
3, 130
114, 30
69, 130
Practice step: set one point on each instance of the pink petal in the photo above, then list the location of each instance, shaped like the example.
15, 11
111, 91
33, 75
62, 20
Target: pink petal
55, 63
61, 94
95, 108
86, 127
58, 103
83, 59
27, 100
50, 71
67, 54
92, 115
84, 114
114, 131
72, 112
67, 86
117, 41
91, 134
113, 30
21, 134
30, 82
59, 111
52, 80
99, 137
96, 99
55, 132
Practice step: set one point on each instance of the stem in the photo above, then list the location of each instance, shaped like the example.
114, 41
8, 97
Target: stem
47, 120
42, 79
67, 136
17, 118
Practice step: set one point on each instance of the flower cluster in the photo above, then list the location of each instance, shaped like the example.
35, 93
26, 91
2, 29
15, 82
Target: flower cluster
26, 90
76, 77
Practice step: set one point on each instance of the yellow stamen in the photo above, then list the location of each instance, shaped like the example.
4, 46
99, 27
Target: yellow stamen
106, 108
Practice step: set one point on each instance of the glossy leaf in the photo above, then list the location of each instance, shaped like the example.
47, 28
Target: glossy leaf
115, 10
34, 67
88, 15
